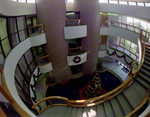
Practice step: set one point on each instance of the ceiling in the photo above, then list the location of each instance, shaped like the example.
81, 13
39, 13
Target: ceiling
132, 0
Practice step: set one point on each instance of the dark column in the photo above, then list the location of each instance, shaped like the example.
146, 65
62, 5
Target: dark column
53, 14
90, 15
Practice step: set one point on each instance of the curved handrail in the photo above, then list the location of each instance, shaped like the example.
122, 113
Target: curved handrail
71, 49
51, 104
3, 91
100, 99
109, 23
103, 45
43, 57
37, 29
76, 22
124, 49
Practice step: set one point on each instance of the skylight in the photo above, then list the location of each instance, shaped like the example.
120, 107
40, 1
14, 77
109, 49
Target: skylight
147, 4
132, 3
113, 2
103, 1
140, 4
123, 2
70, 1
30, 1
22, 1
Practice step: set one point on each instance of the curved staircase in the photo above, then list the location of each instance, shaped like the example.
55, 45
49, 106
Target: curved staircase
119, 106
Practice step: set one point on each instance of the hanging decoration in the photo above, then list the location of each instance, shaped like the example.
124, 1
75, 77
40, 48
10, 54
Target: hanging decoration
77, 59
123, 56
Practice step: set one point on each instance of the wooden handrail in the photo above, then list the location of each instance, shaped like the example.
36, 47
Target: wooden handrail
36, 26
46, 56
3, 91
141, 104
75, 48
74, 20
123, 49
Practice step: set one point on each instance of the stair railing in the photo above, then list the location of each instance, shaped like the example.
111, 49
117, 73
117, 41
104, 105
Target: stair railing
3, 91
36, 30
73, 22
103, 98
118, 47
103, 47
44, 60
50, 100
135, 29
77, 49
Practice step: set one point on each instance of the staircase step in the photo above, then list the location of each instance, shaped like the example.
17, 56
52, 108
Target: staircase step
100, 110
124, 104
147, 54
80, 112
135, 94
116, 107
146, 84
86, 112
108, 109
146, 67
93, 111
74, 112
147, 58
141, 75
68, 112
145, 71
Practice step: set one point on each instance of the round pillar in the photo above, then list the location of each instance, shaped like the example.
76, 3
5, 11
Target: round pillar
53, 14
90, 15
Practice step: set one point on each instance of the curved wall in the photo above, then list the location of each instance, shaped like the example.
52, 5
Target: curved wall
10, 66
11, 8
89, 13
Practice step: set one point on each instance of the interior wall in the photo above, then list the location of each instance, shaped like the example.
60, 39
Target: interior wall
11, 8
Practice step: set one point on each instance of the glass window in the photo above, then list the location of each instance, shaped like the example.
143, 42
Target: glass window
70, 1
140, 3
103, 1
122, 40
12, 26
29, 56
113, 2
127, 42
30, 1
21, 23
22, 35
132, 3
147, 4
123, 2
6, 46
148, 28
22, 1
143, 25
3, 28
14, 40
137, 24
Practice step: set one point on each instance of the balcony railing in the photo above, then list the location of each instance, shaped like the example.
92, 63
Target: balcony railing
103, 98
36, 30
75, 50
73, 22
43, 60
108, 23
103, 47
124, 50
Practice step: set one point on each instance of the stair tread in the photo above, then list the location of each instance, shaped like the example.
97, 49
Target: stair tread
144, 76
74, 112
100, 110
147, 57
86, 112
146, 66
109, 110
93, 111
67, 114
143, 82
116, 108
145, 71
135, 94
126, 107
80, 112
